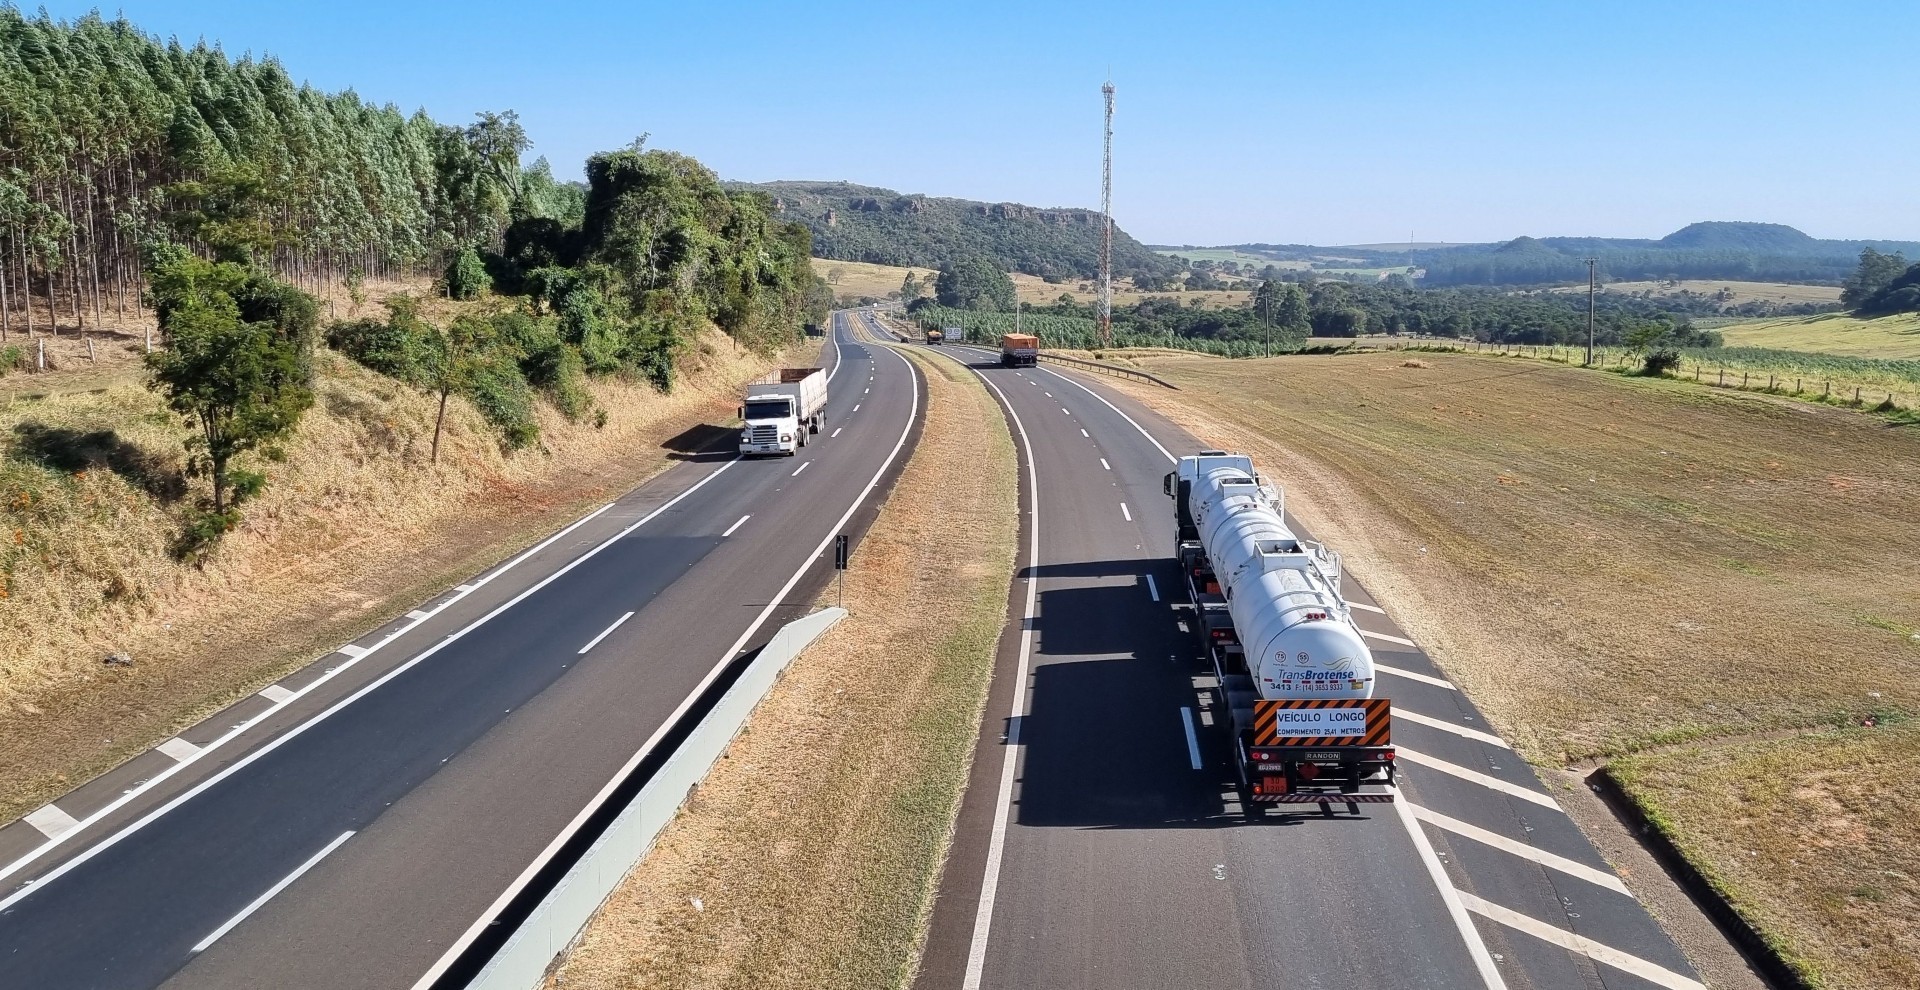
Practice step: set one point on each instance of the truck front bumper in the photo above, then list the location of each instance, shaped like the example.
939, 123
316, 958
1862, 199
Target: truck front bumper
766, 448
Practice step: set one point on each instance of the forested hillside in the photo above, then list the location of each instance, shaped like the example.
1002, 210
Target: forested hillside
1709, 250
881, 226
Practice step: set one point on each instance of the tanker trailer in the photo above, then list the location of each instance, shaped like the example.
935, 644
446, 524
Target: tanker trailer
1295, 676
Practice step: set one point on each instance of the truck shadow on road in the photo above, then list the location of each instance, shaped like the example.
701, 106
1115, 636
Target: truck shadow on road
705, 442
1105, 740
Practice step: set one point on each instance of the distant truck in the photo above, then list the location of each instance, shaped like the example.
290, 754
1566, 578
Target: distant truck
1019, 350
936, 336
778, 417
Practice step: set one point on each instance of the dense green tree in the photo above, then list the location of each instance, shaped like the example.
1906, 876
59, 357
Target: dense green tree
1902, 295
974, 282
1876, 272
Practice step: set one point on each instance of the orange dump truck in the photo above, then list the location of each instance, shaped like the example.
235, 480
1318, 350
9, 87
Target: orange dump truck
1019, 350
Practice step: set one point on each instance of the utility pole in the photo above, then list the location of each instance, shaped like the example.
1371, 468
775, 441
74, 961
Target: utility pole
1590, 296
1106, 224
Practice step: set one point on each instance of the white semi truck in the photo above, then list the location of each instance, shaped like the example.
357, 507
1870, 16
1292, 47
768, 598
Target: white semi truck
1295, 677
778, 416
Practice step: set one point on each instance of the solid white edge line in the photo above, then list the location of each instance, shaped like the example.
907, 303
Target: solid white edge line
1476, 947
264, 898
1388, 639
1445, 726
1153, 589
1599, 878
539, 863
742, 521
1487, 781
1124, 512
604, 633
1382, 668
802, 467
997, 839
1193, 742
295, 732
1633, 965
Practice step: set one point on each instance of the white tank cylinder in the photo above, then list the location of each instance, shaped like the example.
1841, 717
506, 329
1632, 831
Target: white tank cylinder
1284, 595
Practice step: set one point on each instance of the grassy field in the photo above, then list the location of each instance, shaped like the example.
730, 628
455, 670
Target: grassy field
1781, 292
1615, 566
354, 528
809, 856
852, 279
1035, 291
1833, 333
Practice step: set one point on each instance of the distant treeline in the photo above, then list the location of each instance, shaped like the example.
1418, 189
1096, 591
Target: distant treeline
881, 226
1713, 250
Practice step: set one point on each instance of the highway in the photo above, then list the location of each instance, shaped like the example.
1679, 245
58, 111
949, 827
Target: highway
1101, 844
357, 823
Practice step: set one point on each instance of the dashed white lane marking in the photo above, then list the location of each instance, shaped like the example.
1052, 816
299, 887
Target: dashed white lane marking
1084, 433
1475, 777
741, 522
1364, 607
1410, 675
1049, 394
1476, 947
1153, 589
1193, 742
52, 822
835, 433
275, 693
1124, 512
1383, 637
604, 633
275, 889
1445, 726
178, 748
417, 615
866, 392
1597, 877
1634, 965
1064, 410
856, 407
803, 467
354, 650
1104, 464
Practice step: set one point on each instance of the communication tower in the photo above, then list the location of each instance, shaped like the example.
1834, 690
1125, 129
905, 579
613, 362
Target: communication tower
1106, 225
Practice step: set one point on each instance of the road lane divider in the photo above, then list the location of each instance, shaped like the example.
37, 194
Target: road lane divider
1450, 897
1632, 965
260, 901
1384, 638
1125, 512
803, 467
331, 673
1104, 464
742, 521
1413, 676
1152, 588
1487, 781
1489, 738
604, 633
1193, 741
1599, 878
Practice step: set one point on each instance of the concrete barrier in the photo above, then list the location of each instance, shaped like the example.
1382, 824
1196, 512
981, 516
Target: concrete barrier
521, 963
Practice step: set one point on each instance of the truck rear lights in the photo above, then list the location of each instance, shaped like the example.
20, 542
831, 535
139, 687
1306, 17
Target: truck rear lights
1316, 617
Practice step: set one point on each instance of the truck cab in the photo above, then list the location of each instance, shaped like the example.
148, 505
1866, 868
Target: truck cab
770, 425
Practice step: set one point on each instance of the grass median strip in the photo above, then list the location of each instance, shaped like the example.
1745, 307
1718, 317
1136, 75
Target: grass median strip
809, 856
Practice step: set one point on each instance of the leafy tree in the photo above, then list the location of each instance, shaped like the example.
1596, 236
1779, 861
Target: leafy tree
1902, 295
974, 282
910, 288
467, 275
1876, 272
452, 361
237, 383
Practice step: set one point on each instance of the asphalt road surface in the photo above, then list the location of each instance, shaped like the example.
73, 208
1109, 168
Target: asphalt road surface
349, 826
1101, 843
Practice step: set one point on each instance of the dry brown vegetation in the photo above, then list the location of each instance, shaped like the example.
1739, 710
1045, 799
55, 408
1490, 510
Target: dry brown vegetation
354, 528
851, 280
1609, 565
808, 857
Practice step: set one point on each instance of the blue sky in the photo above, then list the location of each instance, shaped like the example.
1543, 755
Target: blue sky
1281, 121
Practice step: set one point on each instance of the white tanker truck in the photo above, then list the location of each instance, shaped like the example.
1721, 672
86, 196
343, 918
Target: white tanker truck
1296, 678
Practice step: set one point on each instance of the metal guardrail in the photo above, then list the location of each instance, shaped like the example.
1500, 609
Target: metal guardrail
522, 962
1111, 369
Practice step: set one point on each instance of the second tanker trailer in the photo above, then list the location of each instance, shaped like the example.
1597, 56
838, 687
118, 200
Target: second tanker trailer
1295, 677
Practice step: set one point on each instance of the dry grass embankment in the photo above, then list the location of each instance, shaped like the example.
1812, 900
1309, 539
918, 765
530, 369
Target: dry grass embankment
850, 280
354, 527
1609, 565
808, 858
